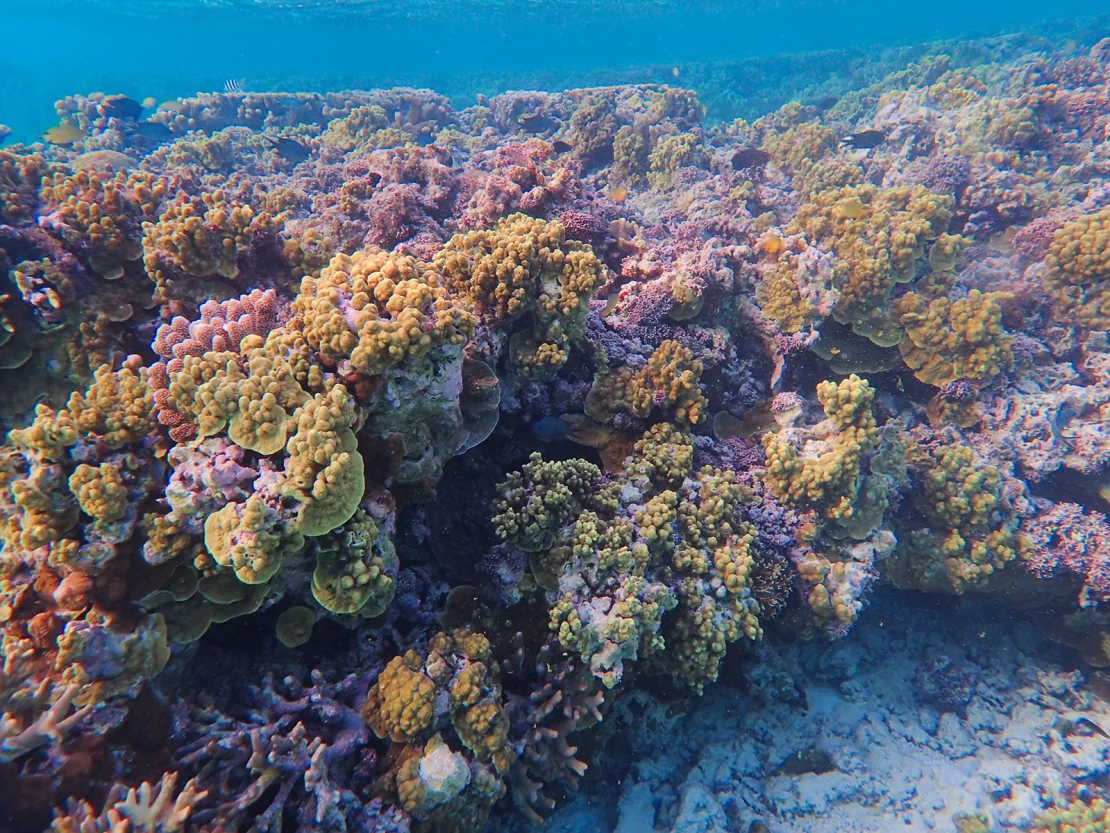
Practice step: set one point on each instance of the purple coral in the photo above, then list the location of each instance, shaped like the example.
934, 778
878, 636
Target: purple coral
1068, 539
221, 326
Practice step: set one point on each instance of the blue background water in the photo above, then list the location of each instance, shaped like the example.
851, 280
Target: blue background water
167, 49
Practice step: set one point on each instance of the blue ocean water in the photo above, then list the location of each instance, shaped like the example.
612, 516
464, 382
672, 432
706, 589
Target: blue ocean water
170, 48
567, 416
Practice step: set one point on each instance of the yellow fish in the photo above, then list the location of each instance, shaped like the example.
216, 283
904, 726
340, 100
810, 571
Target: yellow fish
149, 102
851, 208
618, 193
63, 134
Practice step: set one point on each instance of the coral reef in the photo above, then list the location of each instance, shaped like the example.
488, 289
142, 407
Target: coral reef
371, 462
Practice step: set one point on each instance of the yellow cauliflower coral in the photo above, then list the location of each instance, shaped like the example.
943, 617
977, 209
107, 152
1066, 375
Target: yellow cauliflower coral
1078, 263
100, 491
353, 568
401, 704
671, 378
117, 409
324, 470
250, 539
378, 309
962, 497
830, 477
949, 340
879, 236
524, 265
664, 455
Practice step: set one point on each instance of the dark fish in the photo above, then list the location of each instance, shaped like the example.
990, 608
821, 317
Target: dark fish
824, 102
559, 146
535, 123
749, 158
1084, 723
807, 761
758, 827
551, 429
153, 131
290, 150
121, 107
865, 139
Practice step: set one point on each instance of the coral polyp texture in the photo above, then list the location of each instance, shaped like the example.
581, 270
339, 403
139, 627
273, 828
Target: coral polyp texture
367, 457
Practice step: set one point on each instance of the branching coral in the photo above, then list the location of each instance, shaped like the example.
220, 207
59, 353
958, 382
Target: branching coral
149, 808
669, 155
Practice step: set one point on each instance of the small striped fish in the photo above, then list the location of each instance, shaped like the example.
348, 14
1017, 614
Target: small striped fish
234, 85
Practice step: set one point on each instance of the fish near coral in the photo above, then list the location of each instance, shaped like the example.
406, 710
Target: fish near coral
864, 140
153, 131
121, 107
748, 158
64, 134
289, 149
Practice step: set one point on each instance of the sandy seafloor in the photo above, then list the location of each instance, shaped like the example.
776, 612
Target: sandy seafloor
903, 760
